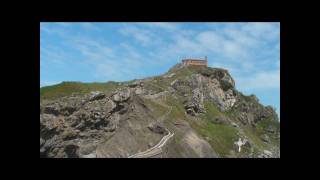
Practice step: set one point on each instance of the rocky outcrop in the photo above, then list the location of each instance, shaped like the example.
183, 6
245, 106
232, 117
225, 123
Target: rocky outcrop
265, 138
96, 96
221, 120
121, 95
126, 120
89, 116
157, 128
195, 105
251, 112
266, 154
217, 87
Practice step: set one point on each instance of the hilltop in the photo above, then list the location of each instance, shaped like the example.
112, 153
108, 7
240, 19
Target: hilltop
190, 111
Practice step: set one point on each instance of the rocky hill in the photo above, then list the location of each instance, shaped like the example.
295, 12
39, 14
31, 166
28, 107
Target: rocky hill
190, 111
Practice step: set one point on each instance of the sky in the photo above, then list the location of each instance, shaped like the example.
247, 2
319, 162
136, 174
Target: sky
101, 52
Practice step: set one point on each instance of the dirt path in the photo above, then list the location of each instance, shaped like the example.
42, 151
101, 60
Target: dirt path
155, 150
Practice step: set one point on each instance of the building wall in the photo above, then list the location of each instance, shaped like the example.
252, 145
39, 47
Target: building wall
195, 62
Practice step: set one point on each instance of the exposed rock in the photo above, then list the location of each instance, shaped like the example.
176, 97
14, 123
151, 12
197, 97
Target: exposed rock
171, 75
270, 129
234, 124
121, 95
139, 91
265, 138
150, 144
227, 82
212, 90
72, 151
251, 111
93, 155
246, 118
52, 109
96, 95
221, 120
157, 128
265, 154
181, 86
41, 142
123, 121
69, 134
173, 82
195, 105
87, 148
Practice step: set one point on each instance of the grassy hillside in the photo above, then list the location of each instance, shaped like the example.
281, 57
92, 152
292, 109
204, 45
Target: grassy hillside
67, 88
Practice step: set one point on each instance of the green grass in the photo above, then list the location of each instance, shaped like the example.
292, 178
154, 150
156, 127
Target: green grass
254, 134
221, 137
67, 88
254, 137
263, 124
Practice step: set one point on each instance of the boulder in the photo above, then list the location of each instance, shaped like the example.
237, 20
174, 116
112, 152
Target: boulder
121, 95
221, 120
72, 151
227, 82
41, 142
270, 129
157, 128
265, 154
139, 91
92, 155
246, 118
52, 109
265, 138
96, 96
88, 148
234, 124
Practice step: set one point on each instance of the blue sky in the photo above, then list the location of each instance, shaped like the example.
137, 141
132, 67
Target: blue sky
100, 52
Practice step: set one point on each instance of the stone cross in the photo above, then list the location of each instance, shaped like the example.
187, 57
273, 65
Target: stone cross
240, 143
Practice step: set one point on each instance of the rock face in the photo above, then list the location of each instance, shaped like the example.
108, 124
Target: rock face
200, 106
221, 120
157, 128
195, 105
265, 138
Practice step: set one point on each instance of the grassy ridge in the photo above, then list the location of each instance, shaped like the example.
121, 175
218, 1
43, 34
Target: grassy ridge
67, 88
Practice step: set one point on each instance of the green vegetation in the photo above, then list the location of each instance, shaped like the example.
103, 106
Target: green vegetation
220, 137
67, 88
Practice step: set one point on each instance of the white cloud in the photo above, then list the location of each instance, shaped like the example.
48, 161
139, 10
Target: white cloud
141, 35
221, 45
93, 50
210, 40
240, 37
130, 51
49, 28
233, 47
52, 54
234, 51
262, 30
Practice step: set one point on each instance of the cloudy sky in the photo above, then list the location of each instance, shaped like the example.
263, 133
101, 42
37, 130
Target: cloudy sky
100, 52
